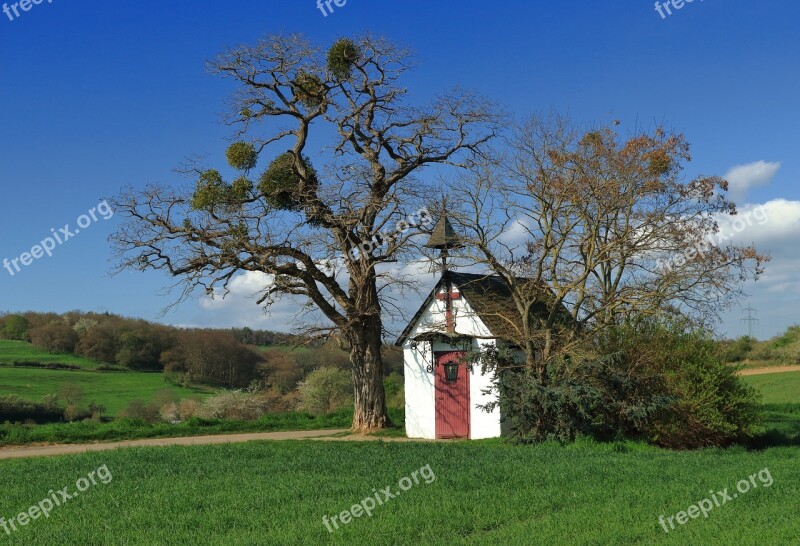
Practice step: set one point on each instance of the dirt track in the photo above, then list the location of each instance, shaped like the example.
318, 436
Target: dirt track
68, 449
773, 369
22, 452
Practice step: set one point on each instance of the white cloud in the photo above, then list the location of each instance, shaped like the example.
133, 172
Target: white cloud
775, 222
238, 308
743, 177
776, 296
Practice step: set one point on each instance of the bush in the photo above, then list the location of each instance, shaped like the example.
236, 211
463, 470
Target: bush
70, 393
73, 412
177, 412
137, 409
738, 350
234, 406
170, 414
662, 383
326, 390
187, 408
709, 404
16, 410
96, 410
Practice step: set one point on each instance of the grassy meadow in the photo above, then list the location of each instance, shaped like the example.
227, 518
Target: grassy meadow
114, 390
20, 351
777, 388
485, 492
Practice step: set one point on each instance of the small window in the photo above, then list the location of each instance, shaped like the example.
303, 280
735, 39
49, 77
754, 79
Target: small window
451, 372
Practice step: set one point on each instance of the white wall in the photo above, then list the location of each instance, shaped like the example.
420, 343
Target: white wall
483, 424
419, 384
420, 401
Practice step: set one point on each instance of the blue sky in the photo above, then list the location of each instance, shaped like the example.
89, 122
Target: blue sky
96, 95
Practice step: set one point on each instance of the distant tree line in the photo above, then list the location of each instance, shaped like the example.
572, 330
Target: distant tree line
232, 358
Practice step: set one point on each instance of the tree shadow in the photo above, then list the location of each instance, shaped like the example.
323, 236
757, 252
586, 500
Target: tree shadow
781, 427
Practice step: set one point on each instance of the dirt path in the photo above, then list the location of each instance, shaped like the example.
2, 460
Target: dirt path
338, 435
773, 369
68, 449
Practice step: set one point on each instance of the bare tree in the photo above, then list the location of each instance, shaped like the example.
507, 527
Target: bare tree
301, 226
579, 224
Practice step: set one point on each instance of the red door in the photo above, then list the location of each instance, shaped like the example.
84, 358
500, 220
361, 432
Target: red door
452, 396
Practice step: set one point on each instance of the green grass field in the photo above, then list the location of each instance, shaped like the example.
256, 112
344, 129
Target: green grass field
777, 388
484, 493
11, 351
114, 390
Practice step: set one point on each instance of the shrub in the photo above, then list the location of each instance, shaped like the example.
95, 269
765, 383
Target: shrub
137, 409
14, 409
96, 410
187, 408
170, 413
73, 412
235, 406
70, 393
738, 350
709, 404
662, 383
326, 390
49, 365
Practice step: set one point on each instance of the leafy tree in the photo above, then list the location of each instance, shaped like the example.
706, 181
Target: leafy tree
215, 357
56, 336
302, 225
139, 347
281, 370
98, 343
595, 218
15, 327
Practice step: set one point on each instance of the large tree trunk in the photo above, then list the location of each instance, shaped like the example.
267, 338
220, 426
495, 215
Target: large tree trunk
365, 356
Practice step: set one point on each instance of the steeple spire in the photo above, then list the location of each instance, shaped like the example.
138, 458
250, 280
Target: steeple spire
444, 237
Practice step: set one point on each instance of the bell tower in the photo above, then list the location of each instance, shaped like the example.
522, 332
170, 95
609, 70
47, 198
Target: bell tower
445, 238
